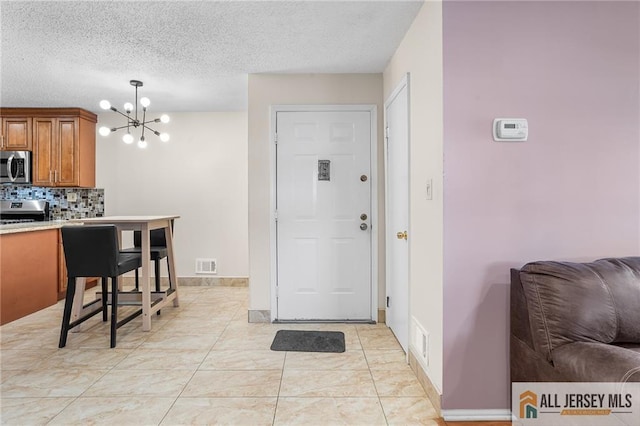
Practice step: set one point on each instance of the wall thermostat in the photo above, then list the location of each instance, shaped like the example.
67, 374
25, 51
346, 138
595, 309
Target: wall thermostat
510, 129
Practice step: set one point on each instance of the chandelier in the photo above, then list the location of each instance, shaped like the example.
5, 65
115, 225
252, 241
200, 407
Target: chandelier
133, 121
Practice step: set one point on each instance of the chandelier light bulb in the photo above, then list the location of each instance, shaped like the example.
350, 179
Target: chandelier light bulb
164, 137
127, 138
164, 118
128, 107
104, 131
104, 104
145, 102
142, 143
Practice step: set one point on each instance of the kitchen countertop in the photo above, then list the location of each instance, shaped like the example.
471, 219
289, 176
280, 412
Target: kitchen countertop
14, 228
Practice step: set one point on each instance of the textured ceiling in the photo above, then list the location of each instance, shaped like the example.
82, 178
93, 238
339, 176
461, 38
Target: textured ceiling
191, 56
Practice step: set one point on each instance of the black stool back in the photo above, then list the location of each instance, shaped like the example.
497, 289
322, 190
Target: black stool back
156, 238
93, 251
158, 251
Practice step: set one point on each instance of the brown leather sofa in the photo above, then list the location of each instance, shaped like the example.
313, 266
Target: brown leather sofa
576, 322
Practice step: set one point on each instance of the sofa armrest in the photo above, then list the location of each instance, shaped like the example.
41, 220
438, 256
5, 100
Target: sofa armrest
529, 366
597, 362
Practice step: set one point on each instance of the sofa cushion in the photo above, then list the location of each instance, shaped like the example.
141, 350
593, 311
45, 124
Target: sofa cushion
597, 362
631, 346
582, 302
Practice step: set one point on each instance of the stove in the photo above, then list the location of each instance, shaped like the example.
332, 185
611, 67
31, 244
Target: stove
21, 211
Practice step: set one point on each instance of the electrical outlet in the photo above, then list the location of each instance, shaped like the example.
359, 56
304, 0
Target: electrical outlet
72, 197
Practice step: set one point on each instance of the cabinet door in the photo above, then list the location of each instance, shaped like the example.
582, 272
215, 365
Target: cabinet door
28, 272
44, 148
16, 133
67, 167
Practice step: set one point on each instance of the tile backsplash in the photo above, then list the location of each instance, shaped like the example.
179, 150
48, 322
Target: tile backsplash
89, 201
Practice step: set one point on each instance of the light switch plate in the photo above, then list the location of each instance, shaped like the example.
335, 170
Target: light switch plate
429, 189
72, 197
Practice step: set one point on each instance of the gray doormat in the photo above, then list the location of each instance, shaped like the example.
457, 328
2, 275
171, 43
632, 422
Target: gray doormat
308, 341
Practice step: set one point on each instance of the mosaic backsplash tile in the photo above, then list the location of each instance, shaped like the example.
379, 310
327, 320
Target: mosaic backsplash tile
89, 202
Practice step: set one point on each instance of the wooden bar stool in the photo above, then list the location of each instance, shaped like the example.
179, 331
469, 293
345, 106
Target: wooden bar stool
93, 251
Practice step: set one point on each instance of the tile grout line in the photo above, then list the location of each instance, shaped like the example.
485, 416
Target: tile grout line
372, 379
275, 410
196, 370
88, 387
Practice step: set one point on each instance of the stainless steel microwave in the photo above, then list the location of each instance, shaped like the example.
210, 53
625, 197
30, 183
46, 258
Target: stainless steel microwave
15, 167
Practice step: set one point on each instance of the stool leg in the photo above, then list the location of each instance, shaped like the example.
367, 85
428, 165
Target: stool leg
114, 310
169, 273
137, 280
66, 316
156, 264
157, 272
105, 298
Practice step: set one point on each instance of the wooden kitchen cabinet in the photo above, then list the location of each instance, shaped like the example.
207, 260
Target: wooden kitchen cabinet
64, 151
63, 141
16, 134
28, 273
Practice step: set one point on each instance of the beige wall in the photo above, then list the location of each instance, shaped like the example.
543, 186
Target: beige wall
420, 54
266, 90
200, 174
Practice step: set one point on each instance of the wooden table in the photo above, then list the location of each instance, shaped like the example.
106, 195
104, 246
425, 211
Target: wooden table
144, 224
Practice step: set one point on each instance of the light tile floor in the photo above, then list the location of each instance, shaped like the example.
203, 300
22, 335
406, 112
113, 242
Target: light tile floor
202, 363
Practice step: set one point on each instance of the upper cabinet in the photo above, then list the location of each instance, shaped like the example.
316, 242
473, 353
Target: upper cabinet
16, 134
63, 141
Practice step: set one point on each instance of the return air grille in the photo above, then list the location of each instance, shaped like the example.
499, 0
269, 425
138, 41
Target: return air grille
206, 266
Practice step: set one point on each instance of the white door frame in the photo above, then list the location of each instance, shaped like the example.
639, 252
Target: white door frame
373, 110
404, 82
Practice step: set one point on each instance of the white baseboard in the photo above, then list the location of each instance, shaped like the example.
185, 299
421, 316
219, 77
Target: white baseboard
476, 415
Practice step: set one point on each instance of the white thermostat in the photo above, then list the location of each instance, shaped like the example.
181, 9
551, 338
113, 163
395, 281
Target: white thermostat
510, 129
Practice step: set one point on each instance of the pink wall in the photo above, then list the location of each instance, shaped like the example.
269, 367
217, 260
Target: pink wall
572, 192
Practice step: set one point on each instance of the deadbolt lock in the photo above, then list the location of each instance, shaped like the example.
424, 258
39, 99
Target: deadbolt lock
363, 178
363, 226
363, 216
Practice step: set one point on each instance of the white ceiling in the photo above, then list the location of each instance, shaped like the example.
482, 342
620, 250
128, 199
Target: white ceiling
191, 55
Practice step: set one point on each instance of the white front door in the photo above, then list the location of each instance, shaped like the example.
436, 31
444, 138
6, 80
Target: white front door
397, 172
323, 203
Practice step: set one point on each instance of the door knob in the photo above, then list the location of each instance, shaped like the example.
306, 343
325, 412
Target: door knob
363, 226
402, 235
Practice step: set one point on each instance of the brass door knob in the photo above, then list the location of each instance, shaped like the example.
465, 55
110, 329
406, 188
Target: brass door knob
402, 235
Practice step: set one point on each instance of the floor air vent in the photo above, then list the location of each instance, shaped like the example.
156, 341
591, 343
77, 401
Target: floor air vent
206, 266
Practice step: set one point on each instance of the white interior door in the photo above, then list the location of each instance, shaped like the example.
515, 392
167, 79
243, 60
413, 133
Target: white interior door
323, 203
397, 213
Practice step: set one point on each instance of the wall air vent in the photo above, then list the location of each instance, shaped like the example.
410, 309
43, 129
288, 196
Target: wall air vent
206, 266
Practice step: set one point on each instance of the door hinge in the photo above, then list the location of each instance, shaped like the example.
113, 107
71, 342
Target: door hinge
386, 132
275, 215
388, 301
277, 291
276, 139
